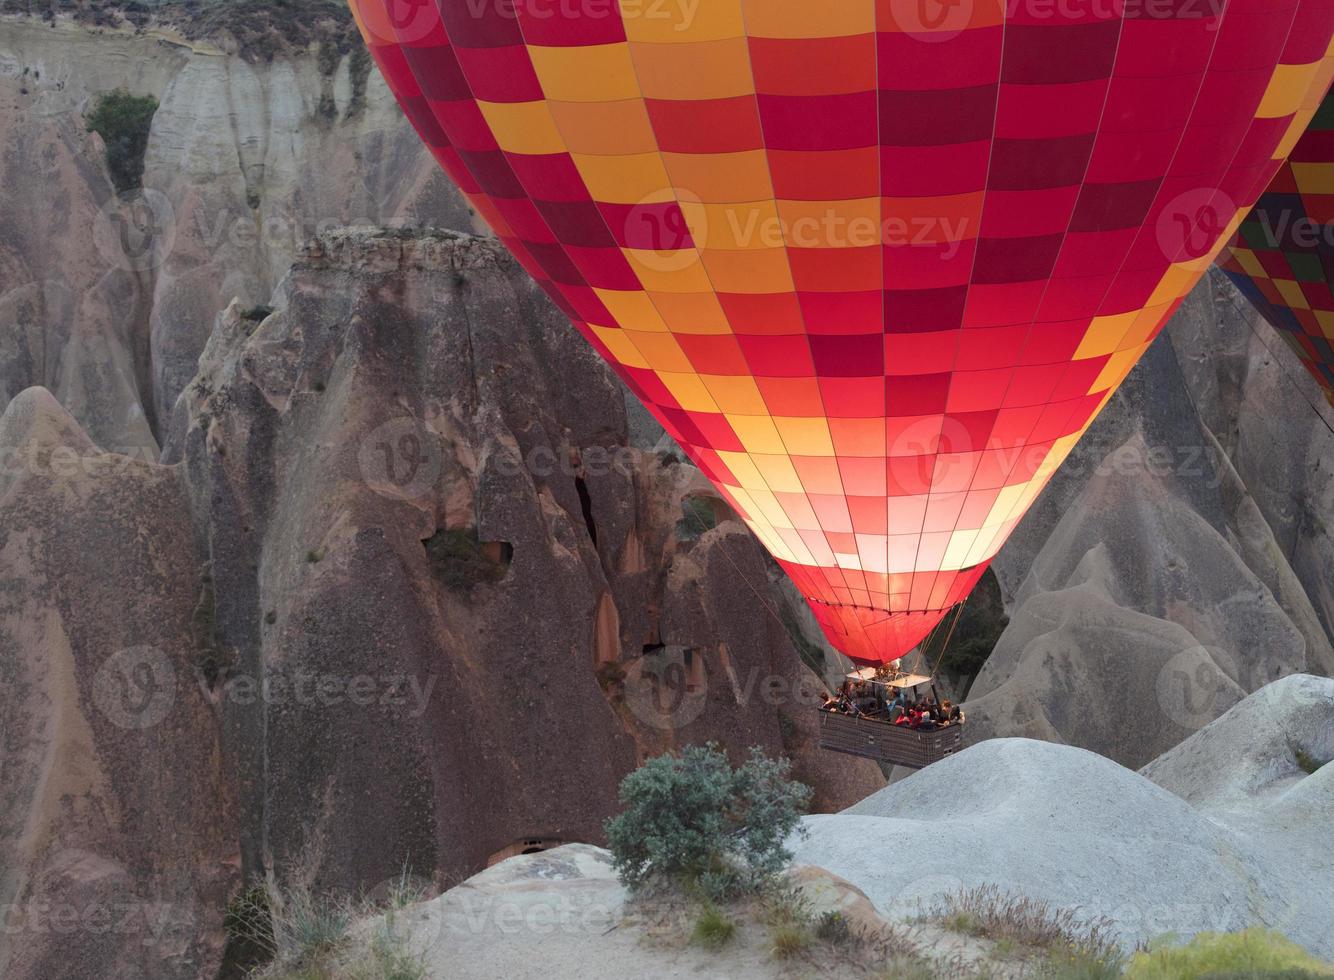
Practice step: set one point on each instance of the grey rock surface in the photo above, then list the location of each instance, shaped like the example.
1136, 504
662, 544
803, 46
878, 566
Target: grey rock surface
1250, 840
1162, 576
118, 833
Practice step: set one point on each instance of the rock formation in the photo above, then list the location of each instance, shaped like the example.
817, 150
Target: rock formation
1074, 829
1226, 832
413, 474
117, 819
418, 600
1162, 576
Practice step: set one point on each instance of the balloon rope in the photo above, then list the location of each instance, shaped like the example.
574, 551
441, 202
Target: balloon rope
764, 602
940, 657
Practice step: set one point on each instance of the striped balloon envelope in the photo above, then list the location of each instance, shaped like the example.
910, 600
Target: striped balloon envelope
1283, 255
875, 264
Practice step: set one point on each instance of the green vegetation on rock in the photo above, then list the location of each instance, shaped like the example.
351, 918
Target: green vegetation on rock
124, 121
1251, 953
696, 821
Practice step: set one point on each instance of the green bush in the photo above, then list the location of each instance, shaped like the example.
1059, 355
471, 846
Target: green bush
1252, 952
460, 560
696, 821
123, 121
712, 928
1308, 763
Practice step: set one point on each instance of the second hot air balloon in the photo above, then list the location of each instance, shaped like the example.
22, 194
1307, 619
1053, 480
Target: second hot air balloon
876, 265
1282, 258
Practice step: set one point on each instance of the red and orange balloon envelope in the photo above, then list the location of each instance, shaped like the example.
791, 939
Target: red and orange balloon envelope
876, 265
1283, 255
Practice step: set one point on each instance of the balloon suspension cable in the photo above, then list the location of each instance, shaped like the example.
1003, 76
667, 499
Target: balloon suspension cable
768, 607
949, 635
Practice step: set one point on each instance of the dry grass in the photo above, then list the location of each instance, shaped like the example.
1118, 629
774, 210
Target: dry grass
304, 936
1069, 948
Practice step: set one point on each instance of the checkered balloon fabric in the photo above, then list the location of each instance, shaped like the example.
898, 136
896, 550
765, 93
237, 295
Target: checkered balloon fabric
1283, 256
875, 264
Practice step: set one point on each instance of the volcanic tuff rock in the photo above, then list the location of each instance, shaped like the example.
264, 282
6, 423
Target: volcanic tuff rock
1047, 822
1163, 575
1076, 830
117, 823
108, 301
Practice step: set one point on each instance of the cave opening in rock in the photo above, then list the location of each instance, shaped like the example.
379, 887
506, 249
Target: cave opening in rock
528, 845
586, 504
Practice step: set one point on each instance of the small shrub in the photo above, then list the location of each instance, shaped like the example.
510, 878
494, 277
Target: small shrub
695, 820
790, 941
1306, 762
1082, 966
713, 929
123, 121
460, 560
1246, 953
315, 556
833, 928
699, 514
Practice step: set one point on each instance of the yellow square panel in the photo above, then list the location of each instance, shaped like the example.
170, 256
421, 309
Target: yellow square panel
1326, 320
805, 436
1104, 334
604, 129
733, 226
778, 473
770, 510
585, 73
702, 70
661, 351
743, 468
802, 18
831, 224
632, 310
722, 177
682, 21
621, 346
670, 271
1287, 90
638, 178
959, 548
1179, 278
761, 271
735, 395
1113, 373
1292, 293
1314, 178
758, 434
1247, 260
689, 391
1144, 326
692, 313
523, 127
1296, 127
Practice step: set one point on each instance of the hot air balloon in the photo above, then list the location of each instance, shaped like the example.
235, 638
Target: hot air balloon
1283, 255
875, 264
